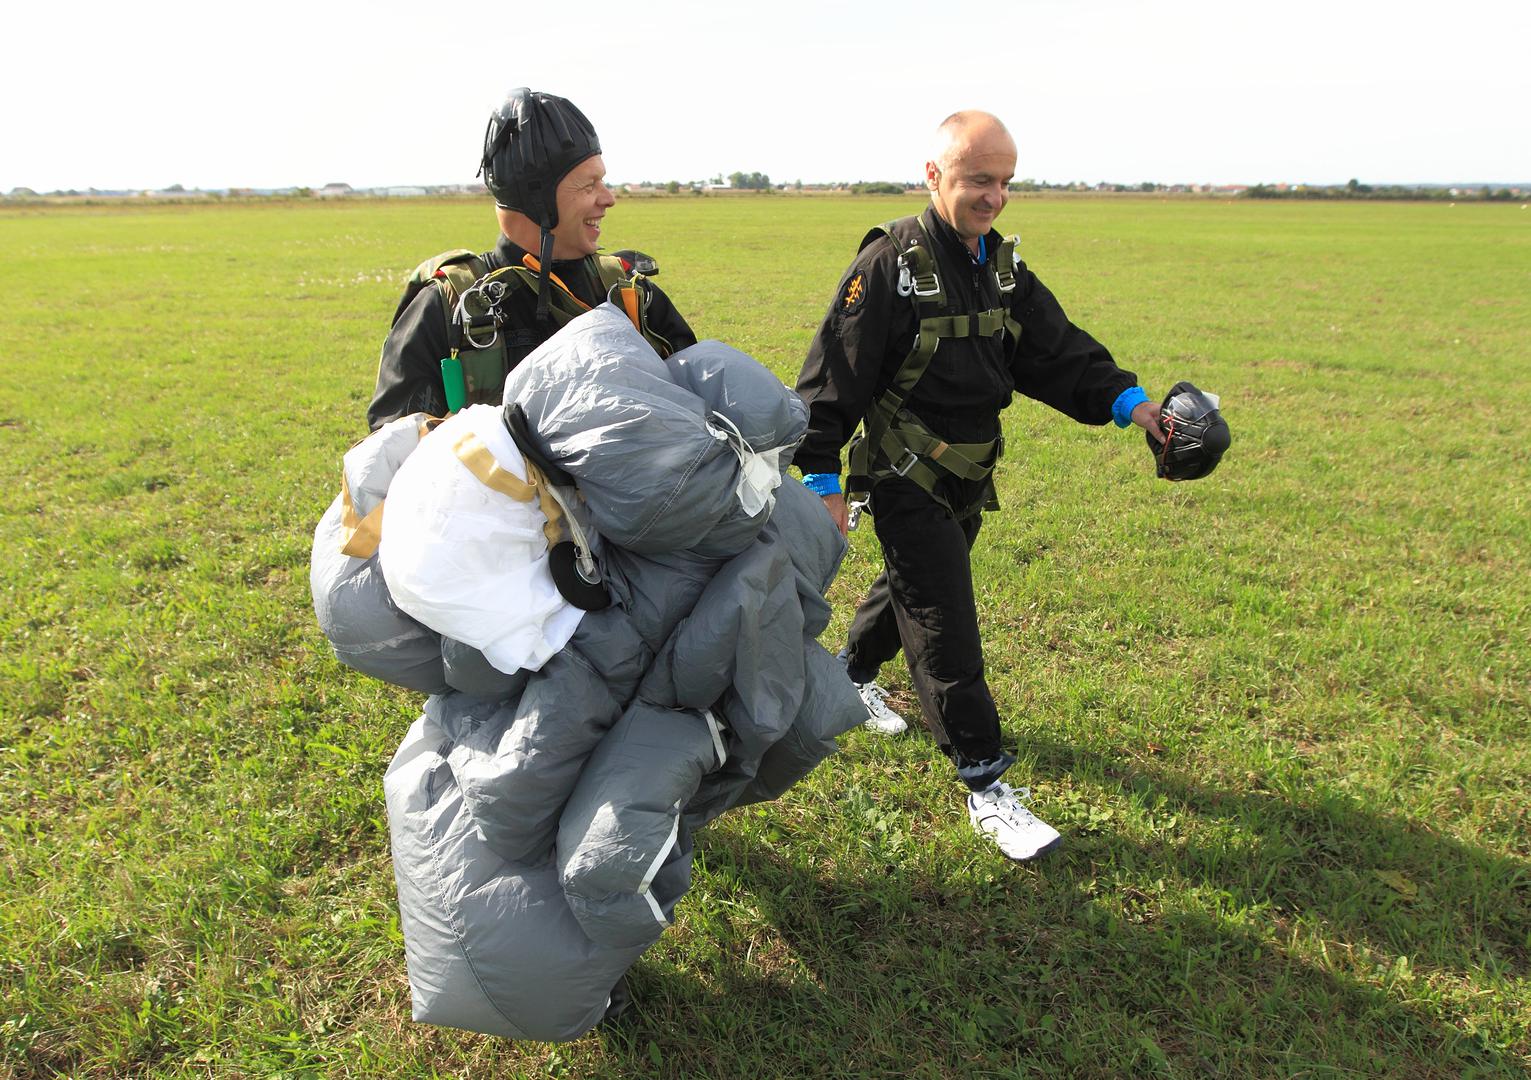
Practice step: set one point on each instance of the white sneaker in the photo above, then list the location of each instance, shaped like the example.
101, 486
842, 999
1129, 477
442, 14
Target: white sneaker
880, 718
1020, 834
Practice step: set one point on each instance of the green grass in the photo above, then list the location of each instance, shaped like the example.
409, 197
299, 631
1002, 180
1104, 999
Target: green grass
1280, 714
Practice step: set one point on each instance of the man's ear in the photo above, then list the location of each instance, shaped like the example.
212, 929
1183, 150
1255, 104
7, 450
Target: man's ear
932, 175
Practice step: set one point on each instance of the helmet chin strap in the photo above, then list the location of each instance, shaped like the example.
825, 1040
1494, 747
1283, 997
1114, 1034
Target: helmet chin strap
543, 271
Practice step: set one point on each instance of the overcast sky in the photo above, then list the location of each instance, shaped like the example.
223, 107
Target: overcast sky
281, 93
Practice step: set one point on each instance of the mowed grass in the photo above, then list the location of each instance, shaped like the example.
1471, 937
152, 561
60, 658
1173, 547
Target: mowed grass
1280, 714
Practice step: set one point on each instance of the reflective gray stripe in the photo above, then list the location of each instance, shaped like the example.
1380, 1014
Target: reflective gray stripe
717, 735
648, 878
655, 908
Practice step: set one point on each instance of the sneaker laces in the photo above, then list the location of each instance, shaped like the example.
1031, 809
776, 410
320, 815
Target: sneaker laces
1007, 801
873, 697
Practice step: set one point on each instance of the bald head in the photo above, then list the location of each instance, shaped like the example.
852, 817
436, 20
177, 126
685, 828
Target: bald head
966, 132
969, 173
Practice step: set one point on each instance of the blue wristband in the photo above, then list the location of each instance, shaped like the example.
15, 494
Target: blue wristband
822, 483
1126, 401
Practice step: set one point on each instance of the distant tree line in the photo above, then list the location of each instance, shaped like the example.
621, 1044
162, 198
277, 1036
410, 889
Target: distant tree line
755, 181
1354, 189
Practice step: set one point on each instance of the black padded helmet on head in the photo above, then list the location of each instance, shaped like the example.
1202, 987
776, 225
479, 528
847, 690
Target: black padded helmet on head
531, 143
1198, 434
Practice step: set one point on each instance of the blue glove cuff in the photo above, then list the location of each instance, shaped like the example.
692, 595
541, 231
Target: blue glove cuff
1126, 401
822, 483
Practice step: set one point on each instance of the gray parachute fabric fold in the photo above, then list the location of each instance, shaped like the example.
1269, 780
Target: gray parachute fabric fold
541, 822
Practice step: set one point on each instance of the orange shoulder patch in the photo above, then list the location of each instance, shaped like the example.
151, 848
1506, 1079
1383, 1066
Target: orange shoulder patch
855, 292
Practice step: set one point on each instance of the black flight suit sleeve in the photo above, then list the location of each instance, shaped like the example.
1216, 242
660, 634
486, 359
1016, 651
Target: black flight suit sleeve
666, 321
1056, 362
856, 352
409, 369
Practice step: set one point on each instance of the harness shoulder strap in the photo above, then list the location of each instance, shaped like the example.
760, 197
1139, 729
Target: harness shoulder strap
1004, 271
634, 296
610, 271
457, 269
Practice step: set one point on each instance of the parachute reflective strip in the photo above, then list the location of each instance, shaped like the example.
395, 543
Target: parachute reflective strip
648, 877
717, 735
655, 908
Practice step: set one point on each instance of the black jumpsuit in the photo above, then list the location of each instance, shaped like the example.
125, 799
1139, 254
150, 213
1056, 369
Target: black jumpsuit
924, 601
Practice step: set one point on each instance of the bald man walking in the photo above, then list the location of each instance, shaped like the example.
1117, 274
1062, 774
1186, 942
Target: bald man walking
934, 327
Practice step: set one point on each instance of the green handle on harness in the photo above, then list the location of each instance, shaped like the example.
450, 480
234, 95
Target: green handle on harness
452, 382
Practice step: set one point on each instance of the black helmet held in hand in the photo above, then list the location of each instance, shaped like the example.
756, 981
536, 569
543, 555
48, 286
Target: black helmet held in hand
532, 142
1197, 434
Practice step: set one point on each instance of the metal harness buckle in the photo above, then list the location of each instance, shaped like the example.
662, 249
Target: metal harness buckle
853, 515
490, 294
905, 463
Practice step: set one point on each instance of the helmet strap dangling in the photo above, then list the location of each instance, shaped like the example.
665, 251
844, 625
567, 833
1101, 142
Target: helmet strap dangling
544, 270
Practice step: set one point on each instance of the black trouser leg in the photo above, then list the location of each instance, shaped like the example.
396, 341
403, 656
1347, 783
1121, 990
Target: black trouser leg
874, 636
924, 602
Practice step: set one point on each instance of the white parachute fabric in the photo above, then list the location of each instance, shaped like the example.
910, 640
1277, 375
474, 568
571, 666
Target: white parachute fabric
468, 559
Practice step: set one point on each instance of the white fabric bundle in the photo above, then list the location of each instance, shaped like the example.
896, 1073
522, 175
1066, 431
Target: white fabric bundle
467, 560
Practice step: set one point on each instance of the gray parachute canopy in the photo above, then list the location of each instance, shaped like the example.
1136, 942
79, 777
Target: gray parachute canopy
541, 820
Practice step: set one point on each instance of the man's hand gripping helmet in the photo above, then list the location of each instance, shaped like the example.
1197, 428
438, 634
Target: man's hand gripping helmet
1198, 434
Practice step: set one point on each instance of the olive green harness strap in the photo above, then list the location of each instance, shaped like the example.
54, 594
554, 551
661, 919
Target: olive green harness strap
609, 269
907, 444
479, 302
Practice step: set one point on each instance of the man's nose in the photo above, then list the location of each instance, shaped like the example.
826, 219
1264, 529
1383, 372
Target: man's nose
607, 197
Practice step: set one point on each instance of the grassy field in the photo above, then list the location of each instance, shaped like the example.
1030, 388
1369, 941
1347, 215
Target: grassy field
1281, 714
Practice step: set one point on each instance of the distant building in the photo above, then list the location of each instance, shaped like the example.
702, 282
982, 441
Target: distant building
403, 192
334, 191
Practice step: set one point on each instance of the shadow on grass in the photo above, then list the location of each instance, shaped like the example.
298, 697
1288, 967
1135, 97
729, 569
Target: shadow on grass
1112, 957
1355, 875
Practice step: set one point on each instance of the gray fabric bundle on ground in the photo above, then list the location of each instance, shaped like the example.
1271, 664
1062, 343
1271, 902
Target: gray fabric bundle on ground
541, 821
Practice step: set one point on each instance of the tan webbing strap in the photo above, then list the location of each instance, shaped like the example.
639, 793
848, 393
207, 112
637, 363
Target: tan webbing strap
359, 535
472, 452
532, 263
553, 528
